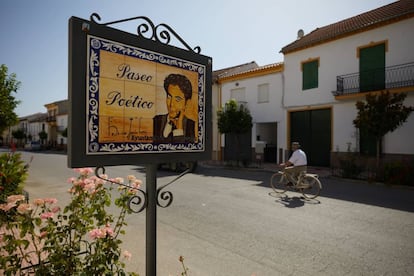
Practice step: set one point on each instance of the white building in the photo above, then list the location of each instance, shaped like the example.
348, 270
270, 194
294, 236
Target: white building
217, 103
311, 96
31, 126
328, 70
34, 125
260, 90
58, 122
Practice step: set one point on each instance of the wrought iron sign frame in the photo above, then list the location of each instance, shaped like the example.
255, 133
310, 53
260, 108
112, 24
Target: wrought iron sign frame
85, 150
89, 41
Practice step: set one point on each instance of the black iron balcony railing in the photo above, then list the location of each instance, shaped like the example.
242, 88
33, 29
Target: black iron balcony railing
51, 119
397, 76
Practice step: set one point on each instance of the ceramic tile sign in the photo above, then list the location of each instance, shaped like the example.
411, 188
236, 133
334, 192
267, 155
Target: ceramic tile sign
134, 100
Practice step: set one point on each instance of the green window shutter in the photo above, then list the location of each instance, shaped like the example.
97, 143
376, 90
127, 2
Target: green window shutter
310, 74
372, 68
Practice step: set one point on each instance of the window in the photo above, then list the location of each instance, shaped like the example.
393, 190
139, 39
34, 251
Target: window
263, 93
239, 94
310, 74
372, 67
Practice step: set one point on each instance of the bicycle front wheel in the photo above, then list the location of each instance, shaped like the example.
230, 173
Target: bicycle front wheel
311, 186
278, 182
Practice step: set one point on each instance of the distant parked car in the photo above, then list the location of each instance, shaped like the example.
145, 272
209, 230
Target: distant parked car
179, 166
33, 145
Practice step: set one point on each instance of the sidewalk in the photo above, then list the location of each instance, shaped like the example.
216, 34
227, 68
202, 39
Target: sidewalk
268, 167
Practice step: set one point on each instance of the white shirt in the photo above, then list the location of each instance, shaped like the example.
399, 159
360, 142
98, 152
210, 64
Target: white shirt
298, 158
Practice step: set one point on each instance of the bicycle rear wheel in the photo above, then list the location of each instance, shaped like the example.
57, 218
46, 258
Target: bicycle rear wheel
311, 186
278, 182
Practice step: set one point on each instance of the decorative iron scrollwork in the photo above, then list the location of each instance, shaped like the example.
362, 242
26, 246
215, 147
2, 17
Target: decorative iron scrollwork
160, 33
165, 198
137, 202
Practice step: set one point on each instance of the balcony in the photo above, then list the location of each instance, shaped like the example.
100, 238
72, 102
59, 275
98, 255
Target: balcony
51, 119
393, 77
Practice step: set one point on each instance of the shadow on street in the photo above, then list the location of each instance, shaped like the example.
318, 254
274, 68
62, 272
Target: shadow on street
377, 194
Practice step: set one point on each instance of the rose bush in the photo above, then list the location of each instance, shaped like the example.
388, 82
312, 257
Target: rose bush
80, 239
13, 172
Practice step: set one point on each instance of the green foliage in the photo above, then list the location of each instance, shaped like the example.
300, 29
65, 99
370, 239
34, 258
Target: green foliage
349, 167
19, 134
234, 118
13, 173
382, 114
43, 135
398, 173
81, 239
8, 85
65, 133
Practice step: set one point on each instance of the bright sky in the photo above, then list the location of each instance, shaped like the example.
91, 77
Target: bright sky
34, 34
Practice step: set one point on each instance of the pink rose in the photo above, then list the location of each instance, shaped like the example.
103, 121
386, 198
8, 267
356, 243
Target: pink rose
50, 200
127, 255
24, 208
136, 184
46, 215
109, 231
7, 206
84, 171
15, 198
97, 233
131, 177
39, 202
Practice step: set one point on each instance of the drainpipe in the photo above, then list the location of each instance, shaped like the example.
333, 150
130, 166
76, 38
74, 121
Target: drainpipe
283, 90
220, 155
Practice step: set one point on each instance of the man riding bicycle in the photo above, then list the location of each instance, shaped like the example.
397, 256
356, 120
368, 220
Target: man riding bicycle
296, 164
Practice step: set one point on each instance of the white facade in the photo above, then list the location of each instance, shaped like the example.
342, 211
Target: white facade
31, 126
260, 90
340, 57
336, 48
34, 128
62, 124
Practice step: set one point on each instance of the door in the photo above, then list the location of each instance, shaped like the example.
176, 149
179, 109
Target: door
312, 129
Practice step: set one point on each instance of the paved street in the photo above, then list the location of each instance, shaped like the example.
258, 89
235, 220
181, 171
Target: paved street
228, 222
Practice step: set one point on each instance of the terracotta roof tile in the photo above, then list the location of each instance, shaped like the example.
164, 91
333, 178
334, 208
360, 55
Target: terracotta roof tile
232, 70
372, 19
257, 69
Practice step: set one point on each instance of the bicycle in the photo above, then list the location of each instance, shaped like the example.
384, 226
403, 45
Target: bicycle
308, 184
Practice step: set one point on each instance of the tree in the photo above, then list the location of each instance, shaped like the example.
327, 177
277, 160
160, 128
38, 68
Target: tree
42, 136
65, 132
381, 114
234, 119
19, 135
8, 85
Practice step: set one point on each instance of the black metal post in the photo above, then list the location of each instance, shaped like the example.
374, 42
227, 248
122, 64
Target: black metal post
151, 220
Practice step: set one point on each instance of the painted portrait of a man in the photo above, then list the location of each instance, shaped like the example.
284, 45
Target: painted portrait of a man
175, 126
